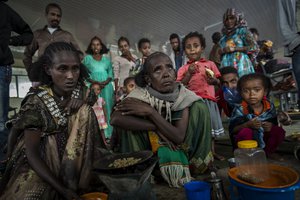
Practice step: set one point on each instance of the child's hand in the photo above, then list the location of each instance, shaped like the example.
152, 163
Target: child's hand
192, 68
229, 49
212, 81
267, 126
254, 123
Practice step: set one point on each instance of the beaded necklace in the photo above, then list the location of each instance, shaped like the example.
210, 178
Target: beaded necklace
55, 111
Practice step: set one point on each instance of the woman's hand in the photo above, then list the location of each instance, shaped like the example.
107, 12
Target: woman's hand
170, 143
267, 126
104, 83
32, 139
101, 83
228, 50
73, 105
131, 106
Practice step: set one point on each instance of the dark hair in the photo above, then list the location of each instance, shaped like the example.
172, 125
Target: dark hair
228, 70
173, 36
95, 83
123, 39
216, 36
103, 50
140, 77
257, 76
142, 41
38, 70
254, 31
128, 79
53, 5
194, 34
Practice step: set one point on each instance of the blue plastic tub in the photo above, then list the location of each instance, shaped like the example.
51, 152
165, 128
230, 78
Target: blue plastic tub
246, 192
197, 190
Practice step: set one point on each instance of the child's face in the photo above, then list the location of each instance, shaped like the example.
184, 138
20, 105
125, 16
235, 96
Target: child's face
145, 49
193, 48
130, 86
255, 36
229, 80
97, 89
253, 91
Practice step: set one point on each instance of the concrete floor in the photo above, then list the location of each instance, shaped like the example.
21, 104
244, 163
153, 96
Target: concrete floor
223, 147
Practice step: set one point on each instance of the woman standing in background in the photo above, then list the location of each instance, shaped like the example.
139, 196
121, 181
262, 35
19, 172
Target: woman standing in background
101, 72
238, 45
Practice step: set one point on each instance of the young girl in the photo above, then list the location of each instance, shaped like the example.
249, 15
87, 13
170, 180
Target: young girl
200, 76
99, 108
101, 72
256, 117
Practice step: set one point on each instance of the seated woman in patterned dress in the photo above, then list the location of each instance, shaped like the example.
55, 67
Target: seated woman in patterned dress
56, 132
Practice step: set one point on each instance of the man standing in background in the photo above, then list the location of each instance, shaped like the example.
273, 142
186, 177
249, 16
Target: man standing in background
214, 54
10, 21
289, 23
50, 33
177, 54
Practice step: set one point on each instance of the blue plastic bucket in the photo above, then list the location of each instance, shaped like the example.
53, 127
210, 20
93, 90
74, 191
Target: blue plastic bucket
246, 192
197, 190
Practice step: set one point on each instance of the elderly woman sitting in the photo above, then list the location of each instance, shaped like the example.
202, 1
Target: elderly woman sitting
163, 116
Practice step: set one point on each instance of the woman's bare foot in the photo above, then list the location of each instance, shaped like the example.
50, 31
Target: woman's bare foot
218, 157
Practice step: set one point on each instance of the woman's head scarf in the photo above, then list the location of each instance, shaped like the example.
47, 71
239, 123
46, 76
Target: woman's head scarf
240, 21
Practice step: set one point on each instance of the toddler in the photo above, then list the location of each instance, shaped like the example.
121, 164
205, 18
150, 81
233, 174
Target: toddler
256, 117
99, 107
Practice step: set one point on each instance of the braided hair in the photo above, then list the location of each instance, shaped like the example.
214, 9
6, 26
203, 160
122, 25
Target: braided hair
38, 73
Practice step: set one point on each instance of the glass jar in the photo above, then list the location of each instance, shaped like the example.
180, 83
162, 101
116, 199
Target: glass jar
251, 162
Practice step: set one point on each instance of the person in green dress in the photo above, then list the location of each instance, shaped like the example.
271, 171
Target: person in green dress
163, 116
101, 72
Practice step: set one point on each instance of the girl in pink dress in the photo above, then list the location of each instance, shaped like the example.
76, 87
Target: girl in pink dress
99, 107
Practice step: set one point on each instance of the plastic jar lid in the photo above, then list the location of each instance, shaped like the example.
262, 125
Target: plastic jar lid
247, 144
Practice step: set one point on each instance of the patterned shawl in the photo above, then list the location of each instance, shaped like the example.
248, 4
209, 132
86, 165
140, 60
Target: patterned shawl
174, 164
244, 113
240, 21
